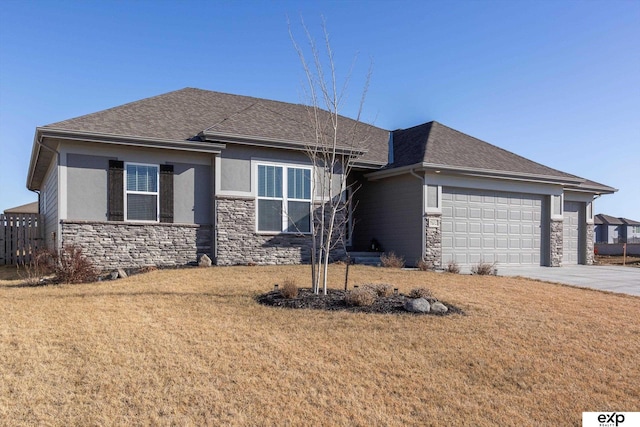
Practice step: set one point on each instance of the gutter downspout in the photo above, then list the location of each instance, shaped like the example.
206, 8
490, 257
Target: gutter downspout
422, 214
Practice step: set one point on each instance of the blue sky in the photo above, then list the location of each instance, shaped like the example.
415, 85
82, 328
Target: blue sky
554, 81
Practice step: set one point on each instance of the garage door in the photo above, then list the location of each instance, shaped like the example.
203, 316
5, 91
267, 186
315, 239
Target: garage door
488, 226
570, 233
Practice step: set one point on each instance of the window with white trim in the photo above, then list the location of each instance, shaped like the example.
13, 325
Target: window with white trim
141, 192
284, 199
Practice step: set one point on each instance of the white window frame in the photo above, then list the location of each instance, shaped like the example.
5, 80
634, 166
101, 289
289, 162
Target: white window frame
285, 196
146, 193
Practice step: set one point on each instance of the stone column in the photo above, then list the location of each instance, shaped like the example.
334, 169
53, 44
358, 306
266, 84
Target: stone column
433, 239
555, 240
590, 256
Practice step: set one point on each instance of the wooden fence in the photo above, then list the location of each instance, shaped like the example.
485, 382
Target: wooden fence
20, 236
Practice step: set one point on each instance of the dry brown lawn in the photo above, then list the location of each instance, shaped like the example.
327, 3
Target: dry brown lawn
192, 347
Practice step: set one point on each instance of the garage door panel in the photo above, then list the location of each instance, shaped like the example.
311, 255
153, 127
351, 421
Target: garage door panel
502, 243
475, 228
491, 227
488, 213
460, 212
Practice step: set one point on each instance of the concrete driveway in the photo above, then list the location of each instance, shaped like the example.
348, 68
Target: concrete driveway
604, 277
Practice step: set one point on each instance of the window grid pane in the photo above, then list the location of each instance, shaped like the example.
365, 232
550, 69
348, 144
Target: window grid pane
142, 207
299, 216
299, 183
269, 215
269, 181
142, 178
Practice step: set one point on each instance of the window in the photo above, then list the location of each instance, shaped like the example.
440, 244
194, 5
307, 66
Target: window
141, 200
284, 199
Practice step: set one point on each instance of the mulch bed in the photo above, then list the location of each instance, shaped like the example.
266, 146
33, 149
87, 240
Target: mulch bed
334, 300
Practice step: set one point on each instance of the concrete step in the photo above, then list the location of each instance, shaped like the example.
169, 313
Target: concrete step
365, 258
364, 254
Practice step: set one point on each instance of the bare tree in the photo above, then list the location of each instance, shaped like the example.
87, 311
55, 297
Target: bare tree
332, 146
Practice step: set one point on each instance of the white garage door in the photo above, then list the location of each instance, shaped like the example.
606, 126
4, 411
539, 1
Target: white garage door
489, 226
570, 233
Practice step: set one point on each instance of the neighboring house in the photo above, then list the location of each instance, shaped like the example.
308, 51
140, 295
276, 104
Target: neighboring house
29, 208
631, 231
163, 179
610, 229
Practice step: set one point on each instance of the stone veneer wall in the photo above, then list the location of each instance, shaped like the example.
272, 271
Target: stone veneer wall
111, 245
433, 241
590, 258
239, 243
555, 240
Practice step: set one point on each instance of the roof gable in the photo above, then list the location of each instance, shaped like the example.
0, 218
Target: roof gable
610, 220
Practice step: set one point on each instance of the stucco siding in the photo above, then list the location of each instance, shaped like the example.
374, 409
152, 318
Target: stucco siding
390, 211
192, 194
87, 184
87, 187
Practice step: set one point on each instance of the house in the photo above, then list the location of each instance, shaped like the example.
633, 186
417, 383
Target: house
29, 208
189, 172
610, 229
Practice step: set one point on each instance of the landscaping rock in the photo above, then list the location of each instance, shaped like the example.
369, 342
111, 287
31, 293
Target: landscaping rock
335, 300
122, 274
113, 275
418, 305
205, 261
438, 307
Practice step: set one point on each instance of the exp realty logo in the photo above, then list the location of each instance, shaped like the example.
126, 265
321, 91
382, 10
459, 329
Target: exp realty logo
610, 419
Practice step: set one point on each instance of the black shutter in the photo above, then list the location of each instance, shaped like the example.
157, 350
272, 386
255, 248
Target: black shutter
166, 193
115, 204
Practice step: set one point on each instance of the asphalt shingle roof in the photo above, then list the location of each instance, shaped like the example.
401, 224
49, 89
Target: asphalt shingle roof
438, 144
189, 113
607, 219
185, 113
629, 221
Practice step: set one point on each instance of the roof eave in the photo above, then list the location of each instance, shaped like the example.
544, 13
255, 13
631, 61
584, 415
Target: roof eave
129, 140
104, 138
485, 173
275, 143
593, 189
35, 154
